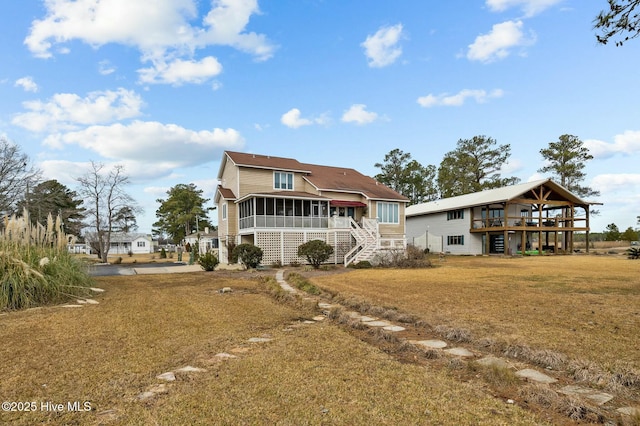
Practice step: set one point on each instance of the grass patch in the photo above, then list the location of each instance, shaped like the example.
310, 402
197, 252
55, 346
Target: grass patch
515, 302
145, 325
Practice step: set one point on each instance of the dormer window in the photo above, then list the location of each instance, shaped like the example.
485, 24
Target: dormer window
282, 180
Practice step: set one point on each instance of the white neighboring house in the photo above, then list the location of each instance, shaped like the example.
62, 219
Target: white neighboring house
534, 215
208, 241
123, 243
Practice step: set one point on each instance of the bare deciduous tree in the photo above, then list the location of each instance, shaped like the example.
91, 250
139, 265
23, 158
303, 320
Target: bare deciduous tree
16, 175
105, 198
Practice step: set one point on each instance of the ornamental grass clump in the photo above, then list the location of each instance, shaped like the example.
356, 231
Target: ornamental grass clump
35, 266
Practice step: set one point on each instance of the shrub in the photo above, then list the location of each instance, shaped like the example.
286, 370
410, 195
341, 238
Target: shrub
633, 253
364, 264
208, 261
163, 253
129, 253
36, 268
248, 254
316, 252
118, 260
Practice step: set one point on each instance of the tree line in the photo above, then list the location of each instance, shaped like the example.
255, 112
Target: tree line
100, 204
476, 164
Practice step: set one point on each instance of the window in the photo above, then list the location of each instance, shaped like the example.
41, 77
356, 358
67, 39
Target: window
282, 180
141, 244
455, 214
224, 211
389, 212
455, 240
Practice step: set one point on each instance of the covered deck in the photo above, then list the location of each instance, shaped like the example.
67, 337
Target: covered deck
547, 213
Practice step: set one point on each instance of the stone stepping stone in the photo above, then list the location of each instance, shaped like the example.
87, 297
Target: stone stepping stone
323, 305
461, 352
108, 415
394, 328
492, 361
190, 369
169, 376
87, 301
71, 306
599, 398
629, 411
96, 289
319, 318
308, 322
380, 323
430, 344
224, 355
153, 391
365, 318
536, 376
263, 339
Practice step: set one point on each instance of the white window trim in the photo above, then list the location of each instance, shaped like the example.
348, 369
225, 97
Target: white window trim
224, 211
286, 174
386, 205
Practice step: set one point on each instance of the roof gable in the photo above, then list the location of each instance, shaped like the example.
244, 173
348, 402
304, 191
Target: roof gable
491, 196
323, 178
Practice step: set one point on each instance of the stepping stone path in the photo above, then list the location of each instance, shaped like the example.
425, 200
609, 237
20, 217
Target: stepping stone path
535, 376
598, 397
168, 376
461, 352
260, 339
430, 344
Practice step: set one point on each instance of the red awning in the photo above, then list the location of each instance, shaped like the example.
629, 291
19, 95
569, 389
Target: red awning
341, 203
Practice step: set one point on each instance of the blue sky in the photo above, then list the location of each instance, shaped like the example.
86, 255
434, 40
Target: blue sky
163, 87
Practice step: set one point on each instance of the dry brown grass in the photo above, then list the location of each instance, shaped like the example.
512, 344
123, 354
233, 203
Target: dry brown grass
145, 325
584, 307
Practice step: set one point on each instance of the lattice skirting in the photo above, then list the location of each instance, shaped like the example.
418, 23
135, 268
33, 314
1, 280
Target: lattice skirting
282, 246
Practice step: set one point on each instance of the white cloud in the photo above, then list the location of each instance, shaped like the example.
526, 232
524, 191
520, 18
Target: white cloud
529, 7
179, 71
27, 84
164, 36
459, 98
358, 114
382, 48
105, 68
150, 144
628, 143
607, 183
293, 118
65, 111
498, 43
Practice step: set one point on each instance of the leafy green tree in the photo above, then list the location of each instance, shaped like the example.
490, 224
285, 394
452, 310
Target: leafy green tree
622, 19
629, 234
407, 177
612, 233
181, 212
474, 166
52, 197
248, 254
316, 252
566, 160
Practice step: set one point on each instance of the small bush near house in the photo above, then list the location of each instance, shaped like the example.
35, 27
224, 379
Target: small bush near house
163, 253
248, 254
118, 260
365, 264
208, 261
316, 252
411, 257
130, 253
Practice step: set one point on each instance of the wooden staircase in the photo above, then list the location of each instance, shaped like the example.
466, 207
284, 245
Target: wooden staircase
367, 239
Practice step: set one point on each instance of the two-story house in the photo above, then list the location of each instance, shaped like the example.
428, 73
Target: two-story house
540, 215
279, 203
